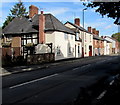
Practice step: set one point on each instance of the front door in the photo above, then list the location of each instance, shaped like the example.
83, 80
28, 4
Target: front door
82, 52
90, 50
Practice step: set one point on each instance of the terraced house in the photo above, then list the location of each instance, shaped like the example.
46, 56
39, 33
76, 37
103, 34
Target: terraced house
84, 35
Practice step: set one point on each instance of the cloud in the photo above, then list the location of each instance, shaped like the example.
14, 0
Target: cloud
57, 11
108, 27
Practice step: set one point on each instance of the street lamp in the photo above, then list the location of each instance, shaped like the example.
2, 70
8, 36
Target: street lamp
83, 15
83, 46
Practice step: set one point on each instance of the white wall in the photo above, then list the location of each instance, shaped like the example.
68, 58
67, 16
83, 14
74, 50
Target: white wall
111, 40
78, 55
64, 44
61, 44
105, 47
88, 41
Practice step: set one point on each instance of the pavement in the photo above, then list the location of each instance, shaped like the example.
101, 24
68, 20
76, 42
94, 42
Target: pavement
19, 69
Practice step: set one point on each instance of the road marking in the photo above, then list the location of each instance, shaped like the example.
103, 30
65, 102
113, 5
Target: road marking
76, 68
102, 94
111, 82
32, 81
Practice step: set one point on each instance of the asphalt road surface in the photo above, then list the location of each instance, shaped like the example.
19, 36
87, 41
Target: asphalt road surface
57, 84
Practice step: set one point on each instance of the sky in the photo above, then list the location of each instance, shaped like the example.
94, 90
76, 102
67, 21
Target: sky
65, 11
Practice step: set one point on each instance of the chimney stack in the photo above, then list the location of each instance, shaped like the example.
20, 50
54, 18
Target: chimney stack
32, 11
89, 29
94, 31
41, 28
77, 21
97, 32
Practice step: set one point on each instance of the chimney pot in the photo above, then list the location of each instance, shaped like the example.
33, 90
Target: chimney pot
94, 31
32, 11
77, 21
89, 29
97, 32
42, 12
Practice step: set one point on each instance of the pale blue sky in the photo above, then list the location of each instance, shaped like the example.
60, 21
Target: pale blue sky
67, 11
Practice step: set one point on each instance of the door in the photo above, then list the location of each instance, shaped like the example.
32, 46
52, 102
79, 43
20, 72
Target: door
90, 50
82, 52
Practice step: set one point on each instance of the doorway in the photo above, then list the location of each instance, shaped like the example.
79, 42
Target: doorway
90, 50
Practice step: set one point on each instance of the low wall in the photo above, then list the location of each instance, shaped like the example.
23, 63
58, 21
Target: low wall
40, 58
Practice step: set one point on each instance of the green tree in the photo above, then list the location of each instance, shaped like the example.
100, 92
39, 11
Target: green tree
18, 10
116, 36
111, 9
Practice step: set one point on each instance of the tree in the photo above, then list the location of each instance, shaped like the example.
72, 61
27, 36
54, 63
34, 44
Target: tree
111, 9
17, 11
116, 36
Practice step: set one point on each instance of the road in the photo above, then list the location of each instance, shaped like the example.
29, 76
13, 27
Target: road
58, 84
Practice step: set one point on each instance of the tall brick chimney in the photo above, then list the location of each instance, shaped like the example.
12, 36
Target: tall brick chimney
94, 31
77, 21
97, 32
32, 11
89, 29
41, 28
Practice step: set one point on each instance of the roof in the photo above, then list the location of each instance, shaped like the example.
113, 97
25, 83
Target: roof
79, 27
25, 25
19, 26
98, 38
52, 24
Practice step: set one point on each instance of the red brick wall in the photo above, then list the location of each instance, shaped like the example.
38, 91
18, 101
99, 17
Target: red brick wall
41, 28
96, 43
77, 21
32, 11
6, 51
16, 51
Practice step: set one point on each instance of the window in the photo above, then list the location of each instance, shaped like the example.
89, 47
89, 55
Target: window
78, 49
90, 38
69, 49
85, 36
58, 50
85, 49
35, 41
29, 41
71, 37
34, 35
29, 36
77, 36
65, 36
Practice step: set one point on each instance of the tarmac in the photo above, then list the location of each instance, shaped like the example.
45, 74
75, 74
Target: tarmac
19, 69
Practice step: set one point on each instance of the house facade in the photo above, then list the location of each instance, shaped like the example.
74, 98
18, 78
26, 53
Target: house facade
98, 42
41, 31
84, 35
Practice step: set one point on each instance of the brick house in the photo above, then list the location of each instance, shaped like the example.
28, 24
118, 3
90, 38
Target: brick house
98, 42
26, 35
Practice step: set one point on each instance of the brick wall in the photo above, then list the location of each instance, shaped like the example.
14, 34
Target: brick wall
40, 58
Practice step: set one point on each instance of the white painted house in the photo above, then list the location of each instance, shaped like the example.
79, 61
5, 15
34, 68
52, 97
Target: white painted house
113, 43
86, 45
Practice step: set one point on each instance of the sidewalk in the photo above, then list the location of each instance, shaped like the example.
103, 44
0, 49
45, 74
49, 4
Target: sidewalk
20, 69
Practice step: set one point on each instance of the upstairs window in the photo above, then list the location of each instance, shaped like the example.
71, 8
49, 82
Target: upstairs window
66, 36
58, 50
77, 36
70, 50
78, 49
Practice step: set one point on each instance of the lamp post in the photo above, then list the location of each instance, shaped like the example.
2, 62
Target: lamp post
83, 15
83, 34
